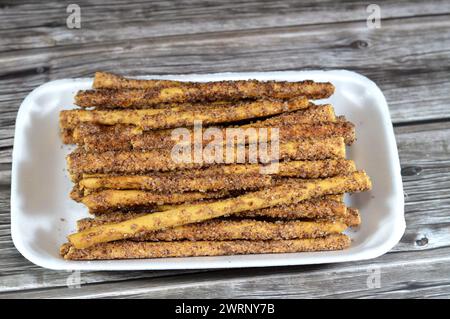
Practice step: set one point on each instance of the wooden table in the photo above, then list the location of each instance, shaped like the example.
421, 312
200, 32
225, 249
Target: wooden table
408, 57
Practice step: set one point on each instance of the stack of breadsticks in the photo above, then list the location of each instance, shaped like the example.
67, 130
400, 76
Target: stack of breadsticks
146, 204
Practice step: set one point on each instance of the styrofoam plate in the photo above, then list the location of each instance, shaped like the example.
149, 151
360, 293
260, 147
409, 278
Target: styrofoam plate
42, 214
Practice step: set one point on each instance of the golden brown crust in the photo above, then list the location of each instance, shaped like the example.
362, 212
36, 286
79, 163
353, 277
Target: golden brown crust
105, 80
316, 169
67, 136
336, 212
302, 169
151, 119
325, 210
221, 177
353, 218
170, 183
313, 114
77, 193
123, 162
100, 138
108, 218
132, 162
314, 209
117, 199
339, 213
112, 138
142, 93
311, 209
133, 249
336, 198
224, 229
326, 207
240, 89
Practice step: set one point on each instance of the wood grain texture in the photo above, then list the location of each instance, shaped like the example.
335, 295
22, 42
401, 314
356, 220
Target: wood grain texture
409, 58
149, 19
347, 280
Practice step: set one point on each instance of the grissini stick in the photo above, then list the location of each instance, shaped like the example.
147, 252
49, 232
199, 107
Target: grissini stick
134, 250
246, 229
151, 119
99, 138
336, 211
222, 177
124, 162
114, 199
141, 93
273, 196
112, 138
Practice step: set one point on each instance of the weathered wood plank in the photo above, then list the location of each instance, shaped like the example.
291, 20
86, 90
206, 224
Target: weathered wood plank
343, 45
426, 180
5, 175
398, 274
24, 26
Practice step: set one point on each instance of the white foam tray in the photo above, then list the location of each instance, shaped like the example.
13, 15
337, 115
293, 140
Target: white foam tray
42, 214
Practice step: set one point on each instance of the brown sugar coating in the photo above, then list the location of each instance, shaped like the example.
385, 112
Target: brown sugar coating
162, 160
117, 199
224, 229
138, 93
109, 138
290, 192
150, 119
134, 250
215, 178
99, 138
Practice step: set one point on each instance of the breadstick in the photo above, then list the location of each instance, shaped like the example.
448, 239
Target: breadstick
138, 93
130, 162
273, 196
133, 250
113, 199
151, 119
224, 229
223, 177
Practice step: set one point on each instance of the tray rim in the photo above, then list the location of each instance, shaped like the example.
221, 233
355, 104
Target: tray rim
114, 265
